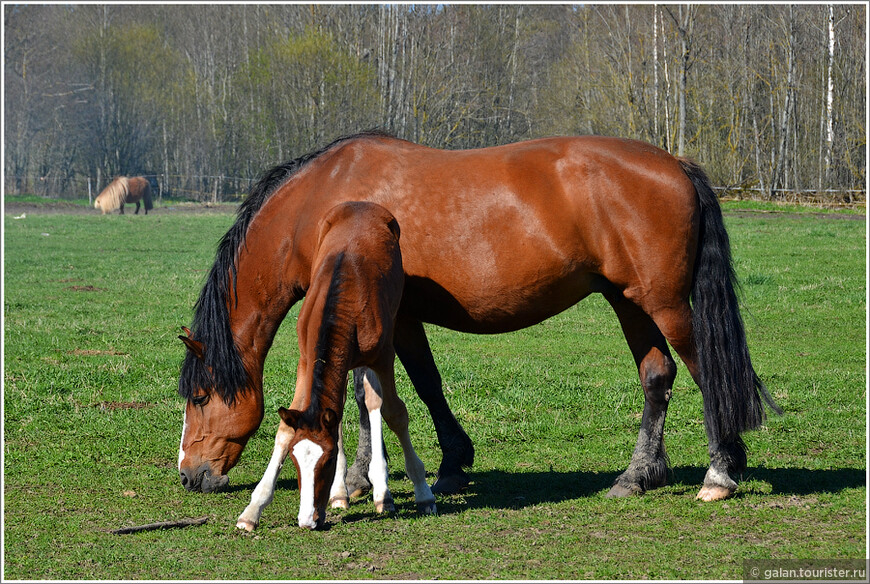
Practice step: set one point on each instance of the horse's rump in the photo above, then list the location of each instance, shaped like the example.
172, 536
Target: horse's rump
139, 189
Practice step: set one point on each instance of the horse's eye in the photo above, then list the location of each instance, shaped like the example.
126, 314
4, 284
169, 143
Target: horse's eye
200, 400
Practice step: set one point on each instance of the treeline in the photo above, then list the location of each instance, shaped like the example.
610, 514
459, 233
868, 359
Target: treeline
206, 97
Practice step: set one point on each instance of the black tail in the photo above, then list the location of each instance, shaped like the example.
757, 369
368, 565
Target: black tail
731, 389
146, 196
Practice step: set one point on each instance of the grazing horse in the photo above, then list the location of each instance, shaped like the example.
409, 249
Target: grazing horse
493, 240
346, 322
125, 190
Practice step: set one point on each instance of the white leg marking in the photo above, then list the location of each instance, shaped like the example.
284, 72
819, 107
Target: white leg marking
181, 445
378, 466
416, 471
262, 495
306, 453
338, 493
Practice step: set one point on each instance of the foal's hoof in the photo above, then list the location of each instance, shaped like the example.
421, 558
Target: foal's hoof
385, 506
339, 503
714, 493
357, 484
246, 525
427, 508
451, 484
619, 491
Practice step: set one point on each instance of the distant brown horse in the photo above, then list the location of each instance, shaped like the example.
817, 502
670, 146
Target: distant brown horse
493, 240
346, 322
125, 190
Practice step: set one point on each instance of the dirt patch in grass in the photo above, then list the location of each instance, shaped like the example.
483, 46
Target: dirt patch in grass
86, 288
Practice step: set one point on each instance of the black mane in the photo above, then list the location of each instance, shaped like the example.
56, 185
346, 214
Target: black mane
330, 336
222, 368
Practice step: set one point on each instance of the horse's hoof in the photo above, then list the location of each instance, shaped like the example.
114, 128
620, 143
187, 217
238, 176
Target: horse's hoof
339, 503
714, 493
385, 506
451, 484
427, 508
618, 491
246, 525
358, 492
357, 485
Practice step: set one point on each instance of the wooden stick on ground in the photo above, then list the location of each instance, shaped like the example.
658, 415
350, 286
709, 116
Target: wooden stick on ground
160, 525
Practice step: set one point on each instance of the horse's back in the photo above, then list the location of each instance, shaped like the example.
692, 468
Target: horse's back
500, 238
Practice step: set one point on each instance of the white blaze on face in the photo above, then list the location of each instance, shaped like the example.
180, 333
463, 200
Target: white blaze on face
181, 446
307, 454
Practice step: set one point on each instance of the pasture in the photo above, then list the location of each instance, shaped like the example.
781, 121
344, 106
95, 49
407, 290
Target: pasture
93, 305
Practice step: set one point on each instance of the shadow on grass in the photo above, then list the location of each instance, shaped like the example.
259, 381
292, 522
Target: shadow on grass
515, 490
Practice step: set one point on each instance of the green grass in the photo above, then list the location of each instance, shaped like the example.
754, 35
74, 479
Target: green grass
92, 309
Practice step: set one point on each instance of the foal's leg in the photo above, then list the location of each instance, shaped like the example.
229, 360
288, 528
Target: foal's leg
357, 475
396, 415
262, 495
649, 462
457, 451
378, 472
338, 498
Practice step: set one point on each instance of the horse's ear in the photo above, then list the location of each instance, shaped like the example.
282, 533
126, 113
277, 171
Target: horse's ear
290, 417
329, 419
394, 227
194, 347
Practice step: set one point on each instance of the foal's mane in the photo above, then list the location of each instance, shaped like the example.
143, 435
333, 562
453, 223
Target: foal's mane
331, 336
222, 368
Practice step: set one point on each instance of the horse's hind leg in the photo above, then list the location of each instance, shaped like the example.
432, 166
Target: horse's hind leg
396, 415
357, 475
457, 451
136, 212
727, 456
657, 370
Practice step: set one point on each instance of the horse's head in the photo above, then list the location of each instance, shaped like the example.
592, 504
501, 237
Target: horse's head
215, 431
314, 449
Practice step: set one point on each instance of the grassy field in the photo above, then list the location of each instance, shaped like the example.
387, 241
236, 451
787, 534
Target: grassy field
92, 309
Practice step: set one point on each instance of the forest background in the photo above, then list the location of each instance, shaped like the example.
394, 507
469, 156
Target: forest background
203, 98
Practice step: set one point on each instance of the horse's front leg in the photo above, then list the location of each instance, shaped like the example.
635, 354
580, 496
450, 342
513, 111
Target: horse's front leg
412, 348
136, 212
262, 495
338, 498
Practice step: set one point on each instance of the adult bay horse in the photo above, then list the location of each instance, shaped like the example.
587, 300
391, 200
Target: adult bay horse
493, 240
346, 322
125, 190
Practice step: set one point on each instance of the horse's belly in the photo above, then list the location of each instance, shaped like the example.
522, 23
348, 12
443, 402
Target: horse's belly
483, 305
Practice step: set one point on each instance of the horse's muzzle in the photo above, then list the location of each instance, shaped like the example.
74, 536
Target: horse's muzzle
202, 480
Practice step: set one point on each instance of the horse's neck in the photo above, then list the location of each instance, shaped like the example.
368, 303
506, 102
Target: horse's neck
259, 301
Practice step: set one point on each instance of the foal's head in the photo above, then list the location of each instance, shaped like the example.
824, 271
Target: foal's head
314, 449
215, 431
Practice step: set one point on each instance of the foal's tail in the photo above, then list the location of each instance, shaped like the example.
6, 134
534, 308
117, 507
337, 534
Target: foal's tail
731, 390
